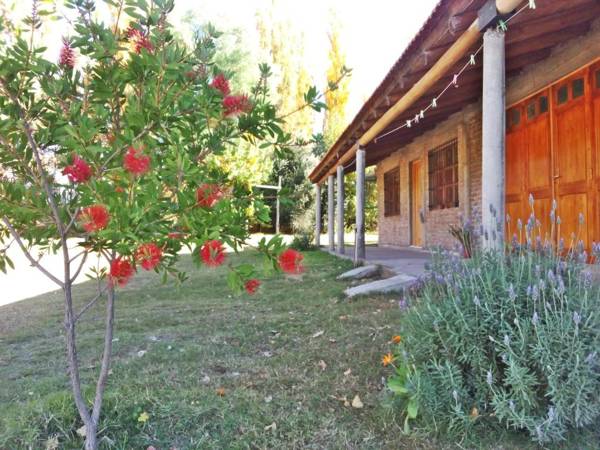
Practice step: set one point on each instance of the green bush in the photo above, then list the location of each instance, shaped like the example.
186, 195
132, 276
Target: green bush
303, 241
502, 340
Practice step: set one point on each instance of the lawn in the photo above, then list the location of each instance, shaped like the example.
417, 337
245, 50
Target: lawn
211, 370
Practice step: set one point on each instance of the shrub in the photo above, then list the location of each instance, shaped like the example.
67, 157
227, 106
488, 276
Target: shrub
303, 241
503, 339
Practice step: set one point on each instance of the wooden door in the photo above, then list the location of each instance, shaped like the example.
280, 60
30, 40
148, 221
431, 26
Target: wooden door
516, 160
572, 172
552, 152
416, 203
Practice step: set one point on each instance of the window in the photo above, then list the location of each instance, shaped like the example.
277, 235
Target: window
543, 104
577, 87
443, 176
391, 193
514, 117
563, 95
531, 111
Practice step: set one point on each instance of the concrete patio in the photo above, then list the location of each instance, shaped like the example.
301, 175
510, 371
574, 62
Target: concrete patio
396, 260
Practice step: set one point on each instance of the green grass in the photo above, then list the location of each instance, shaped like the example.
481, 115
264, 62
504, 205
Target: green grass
265, 351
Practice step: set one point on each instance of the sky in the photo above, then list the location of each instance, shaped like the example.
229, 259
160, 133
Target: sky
373, 33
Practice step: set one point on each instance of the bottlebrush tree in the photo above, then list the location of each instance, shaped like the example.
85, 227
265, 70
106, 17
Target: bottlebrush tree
109, 151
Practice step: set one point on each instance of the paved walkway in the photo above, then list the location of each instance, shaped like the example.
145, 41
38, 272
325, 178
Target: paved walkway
399, 260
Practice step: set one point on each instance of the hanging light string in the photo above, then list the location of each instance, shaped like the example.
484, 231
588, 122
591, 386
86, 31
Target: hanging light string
408, 123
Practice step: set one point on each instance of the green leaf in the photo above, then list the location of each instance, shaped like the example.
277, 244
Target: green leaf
412, 408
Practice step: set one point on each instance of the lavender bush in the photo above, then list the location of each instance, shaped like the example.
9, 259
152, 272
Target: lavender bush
505, 339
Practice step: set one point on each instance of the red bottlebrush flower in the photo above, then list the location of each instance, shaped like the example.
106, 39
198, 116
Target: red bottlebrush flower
79, 171
121, 271
290, 261
252, 286
221, 84
66, 57
207, 195
136, 162
212, 253
139, 40
94, 218
235, 105
148, 255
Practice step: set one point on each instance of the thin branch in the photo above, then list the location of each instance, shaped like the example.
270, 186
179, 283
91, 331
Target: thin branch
81, 264
92, 302
73, 219
31, 259
321, 95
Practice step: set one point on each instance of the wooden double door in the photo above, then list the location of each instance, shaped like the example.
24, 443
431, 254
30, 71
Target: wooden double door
553, 154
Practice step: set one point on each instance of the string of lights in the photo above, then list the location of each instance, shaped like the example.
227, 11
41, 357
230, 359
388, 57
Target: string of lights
408, 123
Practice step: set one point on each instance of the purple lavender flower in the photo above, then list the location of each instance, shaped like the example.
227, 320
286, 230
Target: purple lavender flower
476, 301
590, 357
506, 340
535, 319
587, 279
519, 224
512, 295
511, 405
535, 293
576, 318
489, 378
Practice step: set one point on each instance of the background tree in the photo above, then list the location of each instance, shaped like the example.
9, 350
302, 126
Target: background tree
336, 99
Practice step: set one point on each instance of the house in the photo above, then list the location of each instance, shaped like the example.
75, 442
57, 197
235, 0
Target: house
493, 100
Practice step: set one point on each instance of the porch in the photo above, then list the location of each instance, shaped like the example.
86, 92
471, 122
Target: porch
393, 260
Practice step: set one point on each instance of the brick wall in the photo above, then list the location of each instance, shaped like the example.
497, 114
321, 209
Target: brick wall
466, 127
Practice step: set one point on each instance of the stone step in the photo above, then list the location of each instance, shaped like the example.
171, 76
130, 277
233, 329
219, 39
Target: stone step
361, 272
397, 283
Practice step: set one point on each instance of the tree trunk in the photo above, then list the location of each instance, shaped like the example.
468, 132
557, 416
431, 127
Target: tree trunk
91, 440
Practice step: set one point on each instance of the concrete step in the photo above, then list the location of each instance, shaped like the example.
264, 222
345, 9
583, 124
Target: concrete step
361, 272
397, 283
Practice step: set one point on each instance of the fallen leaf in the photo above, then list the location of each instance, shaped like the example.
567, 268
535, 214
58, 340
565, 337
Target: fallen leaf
356, 403
141, 353
271, 427
347, 372
205, 379
81, 431
474, 412
323, 365
52, 443
333, 341
220, 392
344, 317
318, 333
268, 399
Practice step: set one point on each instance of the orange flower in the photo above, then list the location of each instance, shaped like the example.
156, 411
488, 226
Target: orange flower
220, 392
387, 359
396, 339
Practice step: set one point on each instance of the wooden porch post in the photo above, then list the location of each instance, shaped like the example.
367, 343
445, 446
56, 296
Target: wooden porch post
330, 213
340, 209
317, 215
360, 252
493, 139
